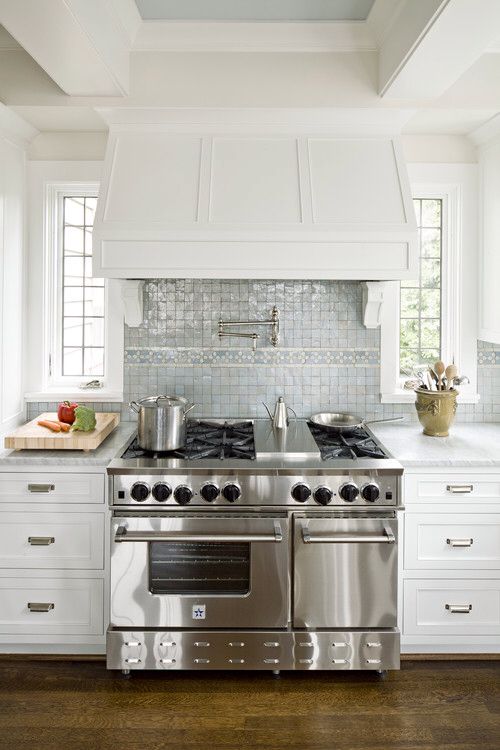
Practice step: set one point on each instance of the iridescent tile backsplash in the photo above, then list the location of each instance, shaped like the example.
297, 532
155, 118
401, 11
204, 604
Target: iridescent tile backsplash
326, 357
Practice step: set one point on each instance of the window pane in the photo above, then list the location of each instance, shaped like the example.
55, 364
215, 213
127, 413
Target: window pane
83, 296
420, 307
94, 361
73, 241
74, 212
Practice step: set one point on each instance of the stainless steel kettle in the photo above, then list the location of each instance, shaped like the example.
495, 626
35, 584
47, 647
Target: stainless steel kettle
280, 417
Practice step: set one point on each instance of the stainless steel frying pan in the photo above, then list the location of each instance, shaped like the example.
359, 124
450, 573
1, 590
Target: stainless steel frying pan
339, 421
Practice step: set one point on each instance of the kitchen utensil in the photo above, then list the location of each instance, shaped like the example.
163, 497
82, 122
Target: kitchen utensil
429, 379
280, 417
341, 421
32, 436
439, 369
161, 422
451, 372
461, 380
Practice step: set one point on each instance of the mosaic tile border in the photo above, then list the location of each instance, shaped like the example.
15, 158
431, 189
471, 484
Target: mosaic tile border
181, 357
488, 358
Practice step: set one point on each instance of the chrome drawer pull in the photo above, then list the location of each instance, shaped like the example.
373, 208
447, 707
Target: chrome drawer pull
202, 644
340, 661
271, 661
373, 661
41, 487
339, 644
460, 542
236, 644
306, 644
202, 661
132, 661
236, 661
167, 661
460, 489
462, 609
41, 541
305, 661
133, 644
373, 645
40, 606
167, 643
271, 644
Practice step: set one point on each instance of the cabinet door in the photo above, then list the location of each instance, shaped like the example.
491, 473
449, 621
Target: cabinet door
51, 606
454, 541
451, 607
52, 540
51, 488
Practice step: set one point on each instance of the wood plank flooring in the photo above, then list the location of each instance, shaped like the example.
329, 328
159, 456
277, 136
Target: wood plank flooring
79, 705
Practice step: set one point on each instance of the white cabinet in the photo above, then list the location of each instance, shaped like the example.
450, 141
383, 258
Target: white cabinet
489, 301
209, 200
450, 566
53, 561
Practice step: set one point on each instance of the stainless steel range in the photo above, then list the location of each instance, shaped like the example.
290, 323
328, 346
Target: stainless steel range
254, 548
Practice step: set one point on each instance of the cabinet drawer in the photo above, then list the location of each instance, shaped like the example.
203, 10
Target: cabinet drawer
51, 488
451, 488
453, 541
451, 607
52, 540
51, 606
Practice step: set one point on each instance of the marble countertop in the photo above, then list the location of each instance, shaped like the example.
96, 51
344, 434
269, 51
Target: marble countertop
100, 457
468, 445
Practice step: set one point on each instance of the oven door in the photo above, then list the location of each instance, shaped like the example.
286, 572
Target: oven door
199, 571
345, 572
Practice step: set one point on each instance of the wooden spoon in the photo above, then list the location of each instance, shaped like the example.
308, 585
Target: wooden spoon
439, 369
450, 372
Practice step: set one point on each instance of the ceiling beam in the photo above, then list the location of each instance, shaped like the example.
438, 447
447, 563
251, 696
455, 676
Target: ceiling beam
431, 43
83, 45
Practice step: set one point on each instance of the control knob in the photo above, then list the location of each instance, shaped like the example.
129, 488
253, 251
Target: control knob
209, 492
139, 491
323, 495
349, 492
231, 492
370, 492
183, 494
301, 492
161, 492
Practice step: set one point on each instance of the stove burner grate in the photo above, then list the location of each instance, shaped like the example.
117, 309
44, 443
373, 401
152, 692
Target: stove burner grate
206, 439
352, 443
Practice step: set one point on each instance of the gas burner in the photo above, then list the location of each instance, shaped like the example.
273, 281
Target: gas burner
206, 440
351, 443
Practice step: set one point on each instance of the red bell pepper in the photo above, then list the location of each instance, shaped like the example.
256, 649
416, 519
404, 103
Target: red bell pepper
66, 412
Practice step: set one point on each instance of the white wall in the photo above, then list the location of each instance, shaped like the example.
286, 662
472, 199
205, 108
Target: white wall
12, 203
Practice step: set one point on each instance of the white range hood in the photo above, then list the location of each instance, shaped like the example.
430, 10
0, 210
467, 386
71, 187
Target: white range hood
264, 195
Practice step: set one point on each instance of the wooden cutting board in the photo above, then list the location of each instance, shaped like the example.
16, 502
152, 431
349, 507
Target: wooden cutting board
32, 436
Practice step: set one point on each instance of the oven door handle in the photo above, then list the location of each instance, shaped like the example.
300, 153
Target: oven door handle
386, 538
123, 535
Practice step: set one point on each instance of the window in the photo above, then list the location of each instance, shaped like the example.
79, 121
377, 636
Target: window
420, 299
434, 315
82, 304
75, 329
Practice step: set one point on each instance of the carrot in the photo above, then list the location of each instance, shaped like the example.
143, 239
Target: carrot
65, 427
54, 426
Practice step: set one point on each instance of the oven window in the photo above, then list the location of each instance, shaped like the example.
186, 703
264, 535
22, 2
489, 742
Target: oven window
194, 568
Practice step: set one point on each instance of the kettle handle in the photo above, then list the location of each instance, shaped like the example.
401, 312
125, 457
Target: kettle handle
293, 412
267, 409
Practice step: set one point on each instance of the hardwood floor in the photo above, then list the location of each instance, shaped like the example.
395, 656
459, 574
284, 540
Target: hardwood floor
75, 705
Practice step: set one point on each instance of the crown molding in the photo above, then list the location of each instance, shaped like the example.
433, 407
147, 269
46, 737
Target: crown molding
261, 36
488, 131
369, 121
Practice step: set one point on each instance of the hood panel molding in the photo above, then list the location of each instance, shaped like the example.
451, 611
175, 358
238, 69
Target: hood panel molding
180, 200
